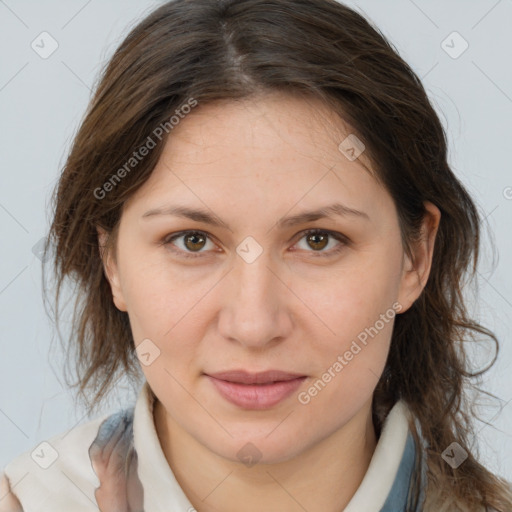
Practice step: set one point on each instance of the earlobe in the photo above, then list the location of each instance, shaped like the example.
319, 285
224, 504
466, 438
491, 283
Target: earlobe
416, 269
110, 269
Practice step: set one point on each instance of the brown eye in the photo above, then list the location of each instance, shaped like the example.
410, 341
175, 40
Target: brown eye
194, 241
189, 243
317, 241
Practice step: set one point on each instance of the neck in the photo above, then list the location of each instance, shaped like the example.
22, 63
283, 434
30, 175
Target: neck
324, 477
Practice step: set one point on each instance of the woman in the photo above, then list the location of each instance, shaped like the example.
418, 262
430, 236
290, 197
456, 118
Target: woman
260, 216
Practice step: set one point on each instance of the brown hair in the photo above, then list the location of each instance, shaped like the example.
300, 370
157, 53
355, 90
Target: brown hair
228, 49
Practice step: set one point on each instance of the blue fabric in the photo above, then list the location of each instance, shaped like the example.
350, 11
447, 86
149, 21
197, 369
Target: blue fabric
397, 500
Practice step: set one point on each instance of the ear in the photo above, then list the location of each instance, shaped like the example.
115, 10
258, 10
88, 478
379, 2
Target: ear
415, 272
110, 269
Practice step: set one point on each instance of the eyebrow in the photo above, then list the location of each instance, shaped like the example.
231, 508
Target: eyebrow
199, 215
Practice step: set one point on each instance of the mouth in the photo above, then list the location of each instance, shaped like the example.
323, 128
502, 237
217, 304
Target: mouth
261, 390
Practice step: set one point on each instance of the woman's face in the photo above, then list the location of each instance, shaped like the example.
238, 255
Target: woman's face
243, 286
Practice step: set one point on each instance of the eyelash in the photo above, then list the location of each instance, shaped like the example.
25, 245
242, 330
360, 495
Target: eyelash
344, 241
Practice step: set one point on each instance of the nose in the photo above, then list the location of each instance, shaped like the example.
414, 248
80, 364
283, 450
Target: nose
256, 305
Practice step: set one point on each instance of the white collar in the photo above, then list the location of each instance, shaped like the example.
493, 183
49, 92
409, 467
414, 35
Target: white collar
163, 493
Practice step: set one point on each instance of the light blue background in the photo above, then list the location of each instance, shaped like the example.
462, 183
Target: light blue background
43, 100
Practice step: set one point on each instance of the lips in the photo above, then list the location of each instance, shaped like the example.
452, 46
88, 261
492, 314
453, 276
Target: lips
243, 377
255, 390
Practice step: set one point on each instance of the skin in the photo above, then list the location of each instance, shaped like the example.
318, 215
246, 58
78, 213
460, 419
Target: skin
251, 163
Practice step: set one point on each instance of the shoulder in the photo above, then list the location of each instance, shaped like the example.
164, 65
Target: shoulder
61, 473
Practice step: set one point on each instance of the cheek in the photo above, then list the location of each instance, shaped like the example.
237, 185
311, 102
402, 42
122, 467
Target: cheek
161, 296
348, 299
348, 359
166, 305
351, 327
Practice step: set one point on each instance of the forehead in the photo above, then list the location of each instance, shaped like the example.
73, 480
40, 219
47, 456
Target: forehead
274, 122
273, 149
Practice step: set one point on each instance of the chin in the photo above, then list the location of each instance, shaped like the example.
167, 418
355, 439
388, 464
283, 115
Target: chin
251, 450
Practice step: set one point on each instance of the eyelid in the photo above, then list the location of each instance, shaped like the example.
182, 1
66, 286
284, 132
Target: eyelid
167, 241
334, 234
340, 237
